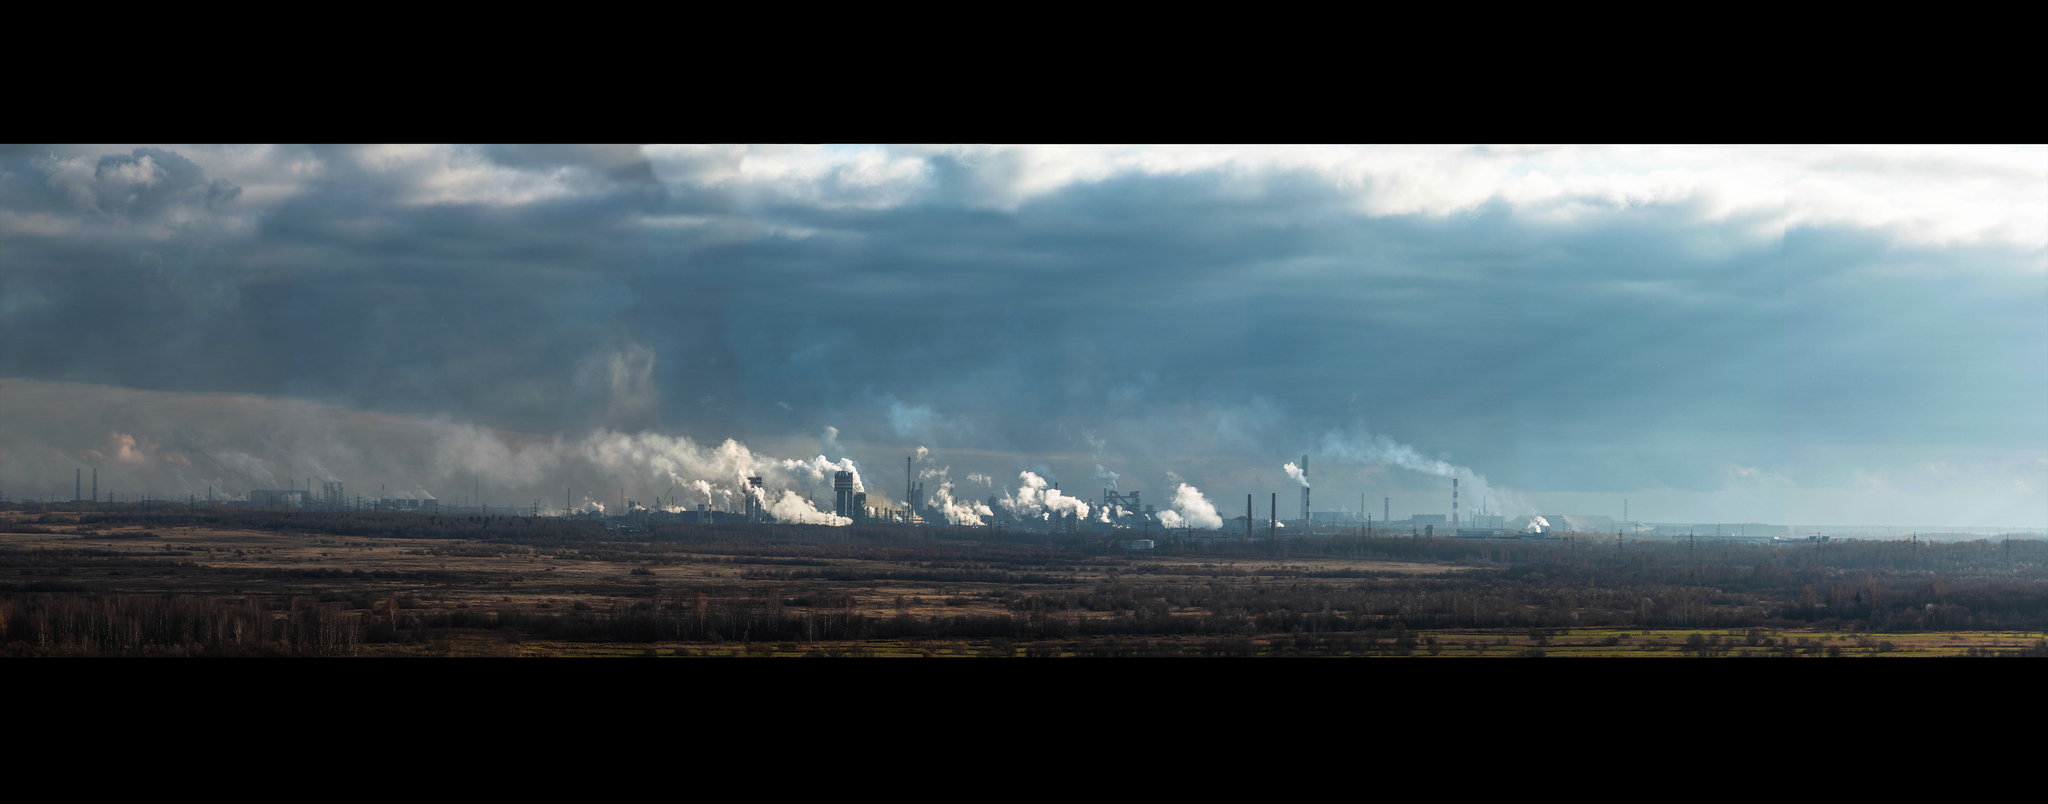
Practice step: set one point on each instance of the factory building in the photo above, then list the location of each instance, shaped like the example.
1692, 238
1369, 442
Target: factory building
1568, 523
407, 505
843, 502
291, 499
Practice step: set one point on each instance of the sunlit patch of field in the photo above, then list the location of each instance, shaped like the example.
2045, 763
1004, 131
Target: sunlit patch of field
1647, 643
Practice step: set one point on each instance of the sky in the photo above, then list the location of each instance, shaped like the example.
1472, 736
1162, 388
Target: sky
1792, 335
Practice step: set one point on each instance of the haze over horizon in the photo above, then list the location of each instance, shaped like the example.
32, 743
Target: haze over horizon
1782, 335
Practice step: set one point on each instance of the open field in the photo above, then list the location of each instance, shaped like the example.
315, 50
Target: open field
1590, 643
398, 586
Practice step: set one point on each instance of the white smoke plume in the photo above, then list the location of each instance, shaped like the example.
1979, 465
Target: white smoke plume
1296, 473
959, 512
1364, 448
985, 480
793, 508
821, 469
1036, 499
1097, 446
1190, 509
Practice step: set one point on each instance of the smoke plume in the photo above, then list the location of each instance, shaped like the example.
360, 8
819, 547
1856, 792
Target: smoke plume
1360, 447
1190, 509
793, 508
1035, 499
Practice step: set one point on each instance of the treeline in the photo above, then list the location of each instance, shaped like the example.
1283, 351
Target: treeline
2028, 556
385, 525
32, 562
162, 625
184, 625
524, 530
919, 576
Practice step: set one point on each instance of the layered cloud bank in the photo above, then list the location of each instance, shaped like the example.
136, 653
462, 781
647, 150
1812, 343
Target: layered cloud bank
1818, 334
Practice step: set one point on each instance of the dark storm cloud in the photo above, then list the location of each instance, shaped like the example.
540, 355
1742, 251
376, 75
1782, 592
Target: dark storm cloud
1211, 321
347, 291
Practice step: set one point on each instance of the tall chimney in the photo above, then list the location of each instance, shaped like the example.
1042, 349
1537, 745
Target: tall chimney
1247, 517
1454, 506
1273, 518
1386, 510
1304, 491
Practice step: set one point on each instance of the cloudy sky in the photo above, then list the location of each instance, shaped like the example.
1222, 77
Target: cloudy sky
1787, 335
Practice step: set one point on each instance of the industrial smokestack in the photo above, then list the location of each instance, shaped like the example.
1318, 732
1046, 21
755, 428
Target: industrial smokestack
1247, 517
1386, 510
1454, 506
1273, 518
1304, 491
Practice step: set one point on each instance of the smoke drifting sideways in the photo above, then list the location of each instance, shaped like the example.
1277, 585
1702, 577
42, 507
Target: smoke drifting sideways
175, 445
1357, 446
172, 445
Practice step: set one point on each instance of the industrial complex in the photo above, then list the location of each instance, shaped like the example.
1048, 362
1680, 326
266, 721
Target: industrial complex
1119, 515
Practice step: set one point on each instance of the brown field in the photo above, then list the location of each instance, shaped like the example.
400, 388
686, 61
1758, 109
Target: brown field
1079, 600
518, 575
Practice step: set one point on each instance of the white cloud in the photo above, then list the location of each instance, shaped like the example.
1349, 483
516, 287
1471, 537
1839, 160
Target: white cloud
448, 174
1937, 195
829, 177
